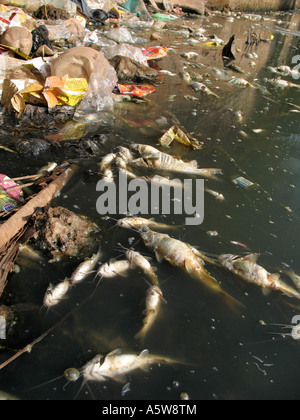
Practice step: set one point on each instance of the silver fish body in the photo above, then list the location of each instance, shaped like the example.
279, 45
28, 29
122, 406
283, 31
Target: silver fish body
116, 365
248, 269
114, 268
84, 269
154, 298
55, 294
139, 261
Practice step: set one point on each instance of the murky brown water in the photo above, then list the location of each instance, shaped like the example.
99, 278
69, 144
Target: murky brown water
225, 355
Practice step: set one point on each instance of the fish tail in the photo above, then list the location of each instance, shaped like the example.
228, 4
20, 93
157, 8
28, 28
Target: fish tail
210, 173
211, 282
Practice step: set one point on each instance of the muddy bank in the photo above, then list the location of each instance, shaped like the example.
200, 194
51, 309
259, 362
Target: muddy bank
254, 5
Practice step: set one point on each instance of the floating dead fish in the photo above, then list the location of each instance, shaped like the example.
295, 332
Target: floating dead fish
55, 294
215, 194
201, 87
154, 298
248, 269
114, 268
107, 161
116, 365
139, 261
85, 268
282, 84
182, 255
294, 277
236, 81
140, 222
154, 159
189, 55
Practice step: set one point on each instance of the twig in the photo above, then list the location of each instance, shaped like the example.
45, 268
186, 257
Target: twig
29, 347
19, 187
20, 178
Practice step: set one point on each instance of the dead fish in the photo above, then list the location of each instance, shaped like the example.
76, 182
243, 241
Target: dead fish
108, 175
114, 268
139, 261
125, 153
294, 277
55, 294
217, 195
117, 364
282, 84
201, 87
248, 269
180, 255
161, 180
85, 268
189, 55
163, 161
107, 161
154, 298
236, 81
140, 222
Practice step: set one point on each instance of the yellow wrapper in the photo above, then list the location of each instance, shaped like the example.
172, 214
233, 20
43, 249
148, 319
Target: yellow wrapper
64, 90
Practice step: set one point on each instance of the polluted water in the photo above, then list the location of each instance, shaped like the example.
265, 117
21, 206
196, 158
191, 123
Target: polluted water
152, 319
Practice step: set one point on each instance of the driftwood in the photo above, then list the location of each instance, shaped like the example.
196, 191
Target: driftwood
14, 228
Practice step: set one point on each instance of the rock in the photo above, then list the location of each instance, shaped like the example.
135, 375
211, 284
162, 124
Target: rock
63, 233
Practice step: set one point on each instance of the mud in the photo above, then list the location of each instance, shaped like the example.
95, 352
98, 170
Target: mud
63, 233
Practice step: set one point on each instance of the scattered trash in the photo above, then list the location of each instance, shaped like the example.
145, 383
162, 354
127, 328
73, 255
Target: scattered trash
243, 182
175, 133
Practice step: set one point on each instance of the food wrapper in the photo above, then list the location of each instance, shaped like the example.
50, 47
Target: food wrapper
155, 53
175, 133
9, 199
136, 90
64, 90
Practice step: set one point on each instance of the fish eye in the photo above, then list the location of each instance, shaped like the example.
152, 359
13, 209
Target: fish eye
101, 360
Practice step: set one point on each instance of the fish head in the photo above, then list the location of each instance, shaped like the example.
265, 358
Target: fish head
227, 259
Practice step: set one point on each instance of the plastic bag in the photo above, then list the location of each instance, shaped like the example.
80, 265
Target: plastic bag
126, 50
102, 81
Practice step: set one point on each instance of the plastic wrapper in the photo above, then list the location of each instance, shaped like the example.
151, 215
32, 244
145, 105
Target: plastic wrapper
9, 199
120, 35
136, 90
175, 133
155, 53
126, 50
64, 90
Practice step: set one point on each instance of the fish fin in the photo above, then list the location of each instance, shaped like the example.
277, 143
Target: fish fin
145, 368
252, 257
144, 353
274, 278
266, 291
188, 266
122, 379
116, 352
159, 257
